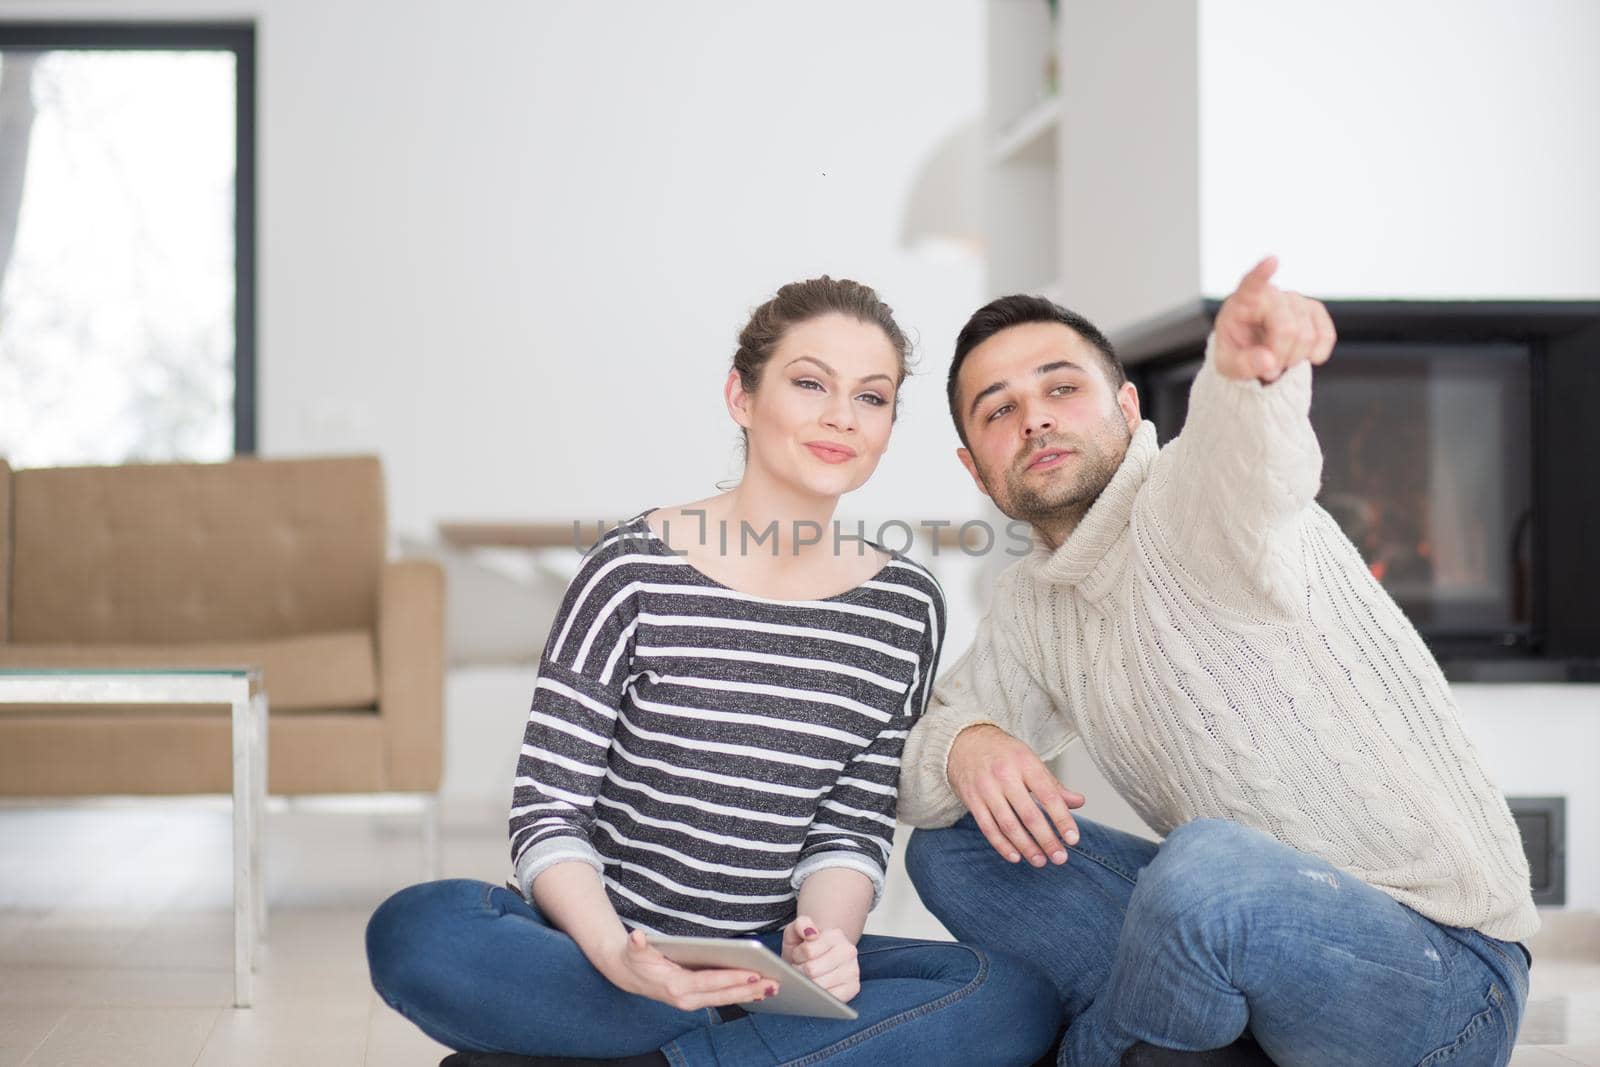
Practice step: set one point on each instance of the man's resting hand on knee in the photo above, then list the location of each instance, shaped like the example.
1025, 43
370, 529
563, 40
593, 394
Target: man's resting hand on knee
1004, 785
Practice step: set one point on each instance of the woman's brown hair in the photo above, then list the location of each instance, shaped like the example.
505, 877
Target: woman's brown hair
800, 302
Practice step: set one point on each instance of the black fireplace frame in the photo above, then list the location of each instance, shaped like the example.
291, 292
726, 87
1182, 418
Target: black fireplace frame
1563, 339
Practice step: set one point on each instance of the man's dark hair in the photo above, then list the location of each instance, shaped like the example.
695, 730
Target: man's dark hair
1018, 310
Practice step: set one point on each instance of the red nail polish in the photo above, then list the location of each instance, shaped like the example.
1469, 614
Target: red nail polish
772, 991
811, 931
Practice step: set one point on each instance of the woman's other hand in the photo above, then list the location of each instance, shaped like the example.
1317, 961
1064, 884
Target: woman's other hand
827, 957
636, 966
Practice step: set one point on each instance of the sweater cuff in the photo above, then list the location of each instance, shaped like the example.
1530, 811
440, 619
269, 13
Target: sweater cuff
853, 861
549, 852
1288, 398
944, 739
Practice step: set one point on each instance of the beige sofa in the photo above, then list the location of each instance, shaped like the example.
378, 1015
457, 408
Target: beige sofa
278, 563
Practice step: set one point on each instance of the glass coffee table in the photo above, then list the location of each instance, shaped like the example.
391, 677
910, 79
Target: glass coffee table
239, 690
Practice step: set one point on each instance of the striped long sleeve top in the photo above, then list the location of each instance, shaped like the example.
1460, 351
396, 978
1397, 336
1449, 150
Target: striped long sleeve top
707, 750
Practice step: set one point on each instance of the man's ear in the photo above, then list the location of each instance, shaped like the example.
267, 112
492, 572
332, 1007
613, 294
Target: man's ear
972, 468
738, 400
1128, 401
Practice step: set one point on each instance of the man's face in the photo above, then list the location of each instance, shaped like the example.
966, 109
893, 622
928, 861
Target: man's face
1045, 429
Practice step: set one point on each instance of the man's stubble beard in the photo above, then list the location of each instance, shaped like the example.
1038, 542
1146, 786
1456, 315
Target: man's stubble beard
1060, 503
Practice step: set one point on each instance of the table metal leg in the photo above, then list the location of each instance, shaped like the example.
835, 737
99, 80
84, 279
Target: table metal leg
248, 721
260, 804
244, 845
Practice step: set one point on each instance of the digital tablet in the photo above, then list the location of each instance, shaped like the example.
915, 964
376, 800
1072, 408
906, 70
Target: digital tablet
797, 994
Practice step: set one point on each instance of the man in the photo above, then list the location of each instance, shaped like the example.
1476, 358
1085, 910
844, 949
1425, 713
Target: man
1339, 879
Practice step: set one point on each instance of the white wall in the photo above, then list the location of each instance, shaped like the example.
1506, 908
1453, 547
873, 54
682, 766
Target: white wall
1426, 148
1129, 160
1423, 148
508, 245
1544, 740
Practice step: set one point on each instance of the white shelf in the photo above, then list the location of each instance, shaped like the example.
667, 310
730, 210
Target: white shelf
1026, 137
1031, 138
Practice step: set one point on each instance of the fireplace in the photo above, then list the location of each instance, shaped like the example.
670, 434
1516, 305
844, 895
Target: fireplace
1460, 442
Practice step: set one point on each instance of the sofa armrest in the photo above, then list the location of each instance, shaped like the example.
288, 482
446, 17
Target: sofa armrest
5, 551
411, 672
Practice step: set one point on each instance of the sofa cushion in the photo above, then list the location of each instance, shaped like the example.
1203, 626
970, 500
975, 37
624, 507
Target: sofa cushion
96, 755
192, 552
314, 672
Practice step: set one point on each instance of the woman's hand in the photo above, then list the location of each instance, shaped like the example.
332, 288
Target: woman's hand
636, 966
827, 957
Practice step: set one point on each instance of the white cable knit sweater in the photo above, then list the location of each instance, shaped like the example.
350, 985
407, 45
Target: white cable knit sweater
1217, 644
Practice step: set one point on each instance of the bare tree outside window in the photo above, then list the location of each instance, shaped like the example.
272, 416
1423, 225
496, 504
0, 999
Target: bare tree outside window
117, 255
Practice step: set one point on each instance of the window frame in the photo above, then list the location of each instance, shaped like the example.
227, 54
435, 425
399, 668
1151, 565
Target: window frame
238, 37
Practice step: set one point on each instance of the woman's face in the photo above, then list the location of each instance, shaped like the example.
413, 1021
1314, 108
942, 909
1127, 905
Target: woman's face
820, 418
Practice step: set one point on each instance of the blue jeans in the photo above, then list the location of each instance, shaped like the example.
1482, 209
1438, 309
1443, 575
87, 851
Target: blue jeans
1220, 929
479, 968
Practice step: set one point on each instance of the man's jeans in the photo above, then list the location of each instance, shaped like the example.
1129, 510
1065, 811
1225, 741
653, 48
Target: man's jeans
1222, 928
478, 968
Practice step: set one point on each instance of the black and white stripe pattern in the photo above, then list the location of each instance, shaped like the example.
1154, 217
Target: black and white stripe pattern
707, 750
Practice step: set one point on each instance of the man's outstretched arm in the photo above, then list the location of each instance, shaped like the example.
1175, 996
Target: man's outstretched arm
1230, 491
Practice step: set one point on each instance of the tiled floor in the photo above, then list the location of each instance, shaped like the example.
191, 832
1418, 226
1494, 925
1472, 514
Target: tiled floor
115, 941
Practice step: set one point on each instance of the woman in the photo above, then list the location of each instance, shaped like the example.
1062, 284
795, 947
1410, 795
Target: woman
713, 750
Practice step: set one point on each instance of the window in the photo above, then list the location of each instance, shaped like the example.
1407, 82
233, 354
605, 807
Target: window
127, 241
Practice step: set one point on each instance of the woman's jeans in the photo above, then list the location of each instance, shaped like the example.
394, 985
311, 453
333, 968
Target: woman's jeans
1221, 928
479, 968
